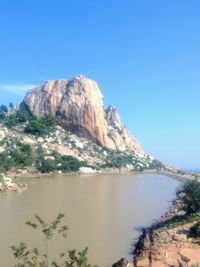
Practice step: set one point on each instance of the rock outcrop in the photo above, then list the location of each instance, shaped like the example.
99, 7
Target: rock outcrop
78, 107
166, 245
7, 185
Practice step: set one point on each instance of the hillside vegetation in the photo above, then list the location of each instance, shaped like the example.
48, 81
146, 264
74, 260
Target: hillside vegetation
40, 145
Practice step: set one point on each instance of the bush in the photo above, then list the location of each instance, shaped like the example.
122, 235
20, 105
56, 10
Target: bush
40, 126
6, 162
3, 109
117, 159
61, 163
46, 166
36, 258
16, 158
2, 116
156, 164
36, 127
195, 230
49, 120
16, 118
191, 200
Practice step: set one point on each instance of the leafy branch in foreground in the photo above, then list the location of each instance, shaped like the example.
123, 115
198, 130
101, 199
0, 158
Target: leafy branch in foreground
35, 258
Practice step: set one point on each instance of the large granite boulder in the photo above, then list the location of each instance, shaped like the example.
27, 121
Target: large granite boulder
78, 107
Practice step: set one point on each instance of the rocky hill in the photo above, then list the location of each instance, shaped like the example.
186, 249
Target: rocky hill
58, 150
78, 107
62, 126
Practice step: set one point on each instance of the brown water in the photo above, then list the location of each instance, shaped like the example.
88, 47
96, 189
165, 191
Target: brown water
103, 212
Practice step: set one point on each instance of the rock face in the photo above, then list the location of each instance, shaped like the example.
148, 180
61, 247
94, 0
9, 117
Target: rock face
78, 107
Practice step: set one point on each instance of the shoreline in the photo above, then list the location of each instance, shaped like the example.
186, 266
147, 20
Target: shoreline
161, 245
180, 177
151, 238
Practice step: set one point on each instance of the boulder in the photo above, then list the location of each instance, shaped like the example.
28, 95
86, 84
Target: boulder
86, 170
79, 108
2, 135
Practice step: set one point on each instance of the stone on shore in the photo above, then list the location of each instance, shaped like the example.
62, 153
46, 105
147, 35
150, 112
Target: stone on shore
7, 185
86, 170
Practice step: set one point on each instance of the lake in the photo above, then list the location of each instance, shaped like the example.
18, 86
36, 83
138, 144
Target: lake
103, 212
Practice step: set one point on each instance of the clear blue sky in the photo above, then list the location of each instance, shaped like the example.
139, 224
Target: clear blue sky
145, 56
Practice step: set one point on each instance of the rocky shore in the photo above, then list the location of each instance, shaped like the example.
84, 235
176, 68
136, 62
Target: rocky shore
162, 245
7, 185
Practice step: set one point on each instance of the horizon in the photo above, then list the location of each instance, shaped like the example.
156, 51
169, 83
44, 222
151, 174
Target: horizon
144, 56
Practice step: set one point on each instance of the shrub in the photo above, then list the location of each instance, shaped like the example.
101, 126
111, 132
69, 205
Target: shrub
16, 118
191, 200
46, 166
16, 158
36, 127
3, 109
156, 164
36, 258
6, 162
2, 116
117, 159
40, 126
195, 230
61, 163
49, 120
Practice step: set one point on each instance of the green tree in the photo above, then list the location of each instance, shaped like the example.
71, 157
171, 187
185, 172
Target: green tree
35, 258
2, 116
16, 118
40, 126
49, 120
191, 200
11, 106
3, 108
195, 230
36, 127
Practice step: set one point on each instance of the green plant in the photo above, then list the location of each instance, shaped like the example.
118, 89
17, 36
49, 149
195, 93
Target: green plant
195, 231
116, 159
2, 116
60, 163
16, 118
36, 127
19, 157
3, 108
40, 126
35, 258
191, 200
11, 106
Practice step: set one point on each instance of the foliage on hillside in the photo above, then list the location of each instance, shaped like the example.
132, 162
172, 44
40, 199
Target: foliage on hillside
34, 125
19, 157
59, 163
189, 209
43, 133
191, 198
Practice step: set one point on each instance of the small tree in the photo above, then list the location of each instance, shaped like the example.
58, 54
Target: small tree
36, 127
34, 258
40, 126
11, 106
3, 108
191, 200
2, 116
